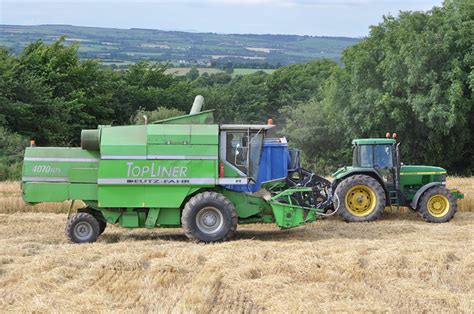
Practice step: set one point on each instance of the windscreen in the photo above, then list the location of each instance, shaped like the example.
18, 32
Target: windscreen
377, 156
256, 142
383, 157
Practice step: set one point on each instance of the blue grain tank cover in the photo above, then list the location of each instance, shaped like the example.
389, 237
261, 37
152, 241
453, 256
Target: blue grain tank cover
274, 163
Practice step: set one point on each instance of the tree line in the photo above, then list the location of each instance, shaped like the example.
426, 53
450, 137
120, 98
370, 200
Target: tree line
413, 74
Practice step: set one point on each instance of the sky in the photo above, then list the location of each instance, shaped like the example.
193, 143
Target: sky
301, 17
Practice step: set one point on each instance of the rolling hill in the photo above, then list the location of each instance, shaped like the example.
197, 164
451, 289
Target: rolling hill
123, 46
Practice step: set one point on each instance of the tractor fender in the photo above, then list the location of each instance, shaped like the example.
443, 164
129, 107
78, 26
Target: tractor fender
423, 189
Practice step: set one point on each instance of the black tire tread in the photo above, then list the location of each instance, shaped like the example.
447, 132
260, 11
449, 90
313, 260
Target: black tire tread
82, 216
366, 180
187, 213
97, 215
422, 207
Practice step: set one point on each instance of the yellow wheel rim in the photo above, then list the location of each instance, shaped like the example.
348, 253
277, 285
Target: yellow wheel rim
438, 205
360, 200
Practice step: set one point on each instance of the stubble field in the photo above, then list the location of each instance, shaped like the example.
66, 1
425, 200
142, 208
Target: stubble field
396, 264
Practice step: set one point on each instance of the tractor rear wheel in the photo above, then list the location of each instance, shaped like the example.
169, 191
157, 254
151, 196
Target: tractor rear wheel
209, 217
82, 228
360, 198
437, 204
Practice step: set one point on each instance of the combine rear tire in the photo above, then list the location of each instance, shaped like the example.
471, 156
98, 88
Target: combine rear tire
82, 228
437, 205
361, 198
209, 217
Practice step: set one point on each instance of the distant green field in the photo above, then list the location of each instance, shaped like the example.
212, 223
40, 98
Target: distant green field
250, 71
239, 71
183, 71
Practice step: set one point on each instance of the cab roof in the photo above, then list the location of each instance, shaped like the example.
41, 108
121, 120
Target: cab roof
246, 126
373, 141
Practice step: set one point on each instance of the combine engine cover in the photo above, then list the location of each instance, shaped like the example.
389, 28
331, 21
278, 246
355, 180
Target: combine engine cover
56, 174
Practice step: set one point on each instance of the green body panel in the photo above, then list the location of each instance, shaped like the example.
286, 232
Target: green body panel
83, 191
288, 215
128, 140
344, 172
247, 205
60, 152
152, 217
186, 150
129, 219
149, 218
83, 175
413, 178
110, 216
152, 183
203, 117
169, 217
457, 194
37, 192
55, 163
56, 174
230, 172
420, 175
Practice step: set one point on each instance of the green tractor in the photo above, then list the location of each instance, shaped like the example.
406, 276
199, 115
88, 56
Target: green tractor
377, 179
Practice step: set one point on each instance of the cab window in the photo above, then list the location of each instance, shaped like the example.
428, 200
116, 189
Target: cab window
383, 156
237, 150
243, 150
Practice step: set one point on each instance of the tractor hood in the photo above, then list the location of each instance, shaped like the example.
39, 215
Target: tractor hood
404, 170
421, 170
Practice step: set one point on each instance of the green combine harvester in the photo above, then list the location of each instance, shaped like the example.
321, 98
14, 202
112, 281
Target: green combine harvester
206, 178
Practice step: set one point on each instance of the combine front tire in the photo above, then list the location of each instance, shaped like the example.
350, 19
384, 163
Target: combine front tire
102, 226
209, 217
83, 228
437, 205
360, 198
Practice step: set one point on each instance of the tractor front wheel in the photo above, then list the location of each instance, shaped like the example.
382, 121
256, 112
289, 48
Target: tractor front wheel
209, 217
359, 198
437, 205
83, 228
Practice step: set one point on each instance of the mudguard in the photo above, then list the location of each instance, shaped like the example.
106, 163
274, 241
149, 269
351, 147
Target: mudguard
422, 190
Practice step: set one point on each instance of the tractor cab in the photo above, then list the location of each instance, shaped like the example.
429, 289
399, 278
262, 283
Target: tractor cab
381, 155
374, 153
